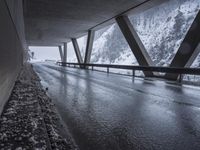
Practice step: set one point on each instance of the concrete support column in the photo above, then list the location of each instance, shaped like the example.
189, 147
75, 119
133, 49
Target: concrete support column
188, 49
89, 46
135, 43
194, 56
65, 53
61, 53
77, 51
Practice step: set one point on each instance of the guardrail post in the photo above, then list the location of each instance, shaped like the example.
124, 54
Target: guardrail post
92, 68
133, 71
107, 69
180, 78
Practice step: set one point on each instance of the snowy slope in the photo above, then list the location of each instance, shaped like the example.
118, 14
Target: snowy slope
161, 30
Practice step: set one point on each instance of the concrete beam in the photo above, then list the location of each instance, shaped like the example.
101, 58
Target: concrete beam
188, 49
61, 52
77, 50
65, 53
89, 46
135, 43
71, 18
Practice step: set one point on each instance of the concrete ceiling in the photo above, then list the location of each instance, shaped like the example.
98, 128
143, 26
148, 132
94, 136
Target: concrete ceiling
52, 22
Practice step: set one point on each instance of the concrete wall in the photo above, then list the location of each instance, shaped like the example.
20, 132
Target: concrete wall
16, 11
11, 46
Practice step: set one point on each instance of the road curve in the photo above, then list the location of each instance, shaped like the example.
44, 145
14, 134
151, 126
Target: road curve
112, 112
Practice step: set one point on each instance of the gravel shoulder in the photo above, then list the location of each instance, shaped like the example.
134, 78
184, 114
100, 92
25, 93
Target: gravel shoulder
30, 119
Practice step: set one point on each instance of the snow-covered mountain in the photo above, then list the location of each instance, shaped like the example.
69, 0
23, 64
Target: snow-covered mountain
161, 30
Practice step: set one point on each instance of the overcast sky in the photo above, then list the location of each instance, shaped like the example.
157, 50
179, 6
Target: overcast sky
43, 53
52, 53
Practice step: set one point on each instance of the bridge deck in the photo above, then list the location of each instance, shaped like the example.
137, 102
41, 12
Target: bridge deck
112, 112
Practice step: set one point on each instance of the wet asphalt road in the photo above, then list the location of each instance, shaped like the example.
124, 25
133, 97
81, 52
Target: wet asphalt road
112, 112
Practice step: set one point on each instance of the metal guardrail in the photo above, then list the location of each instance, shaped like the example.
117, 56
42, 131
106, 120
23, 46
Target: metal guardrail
190, 71
179, 71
